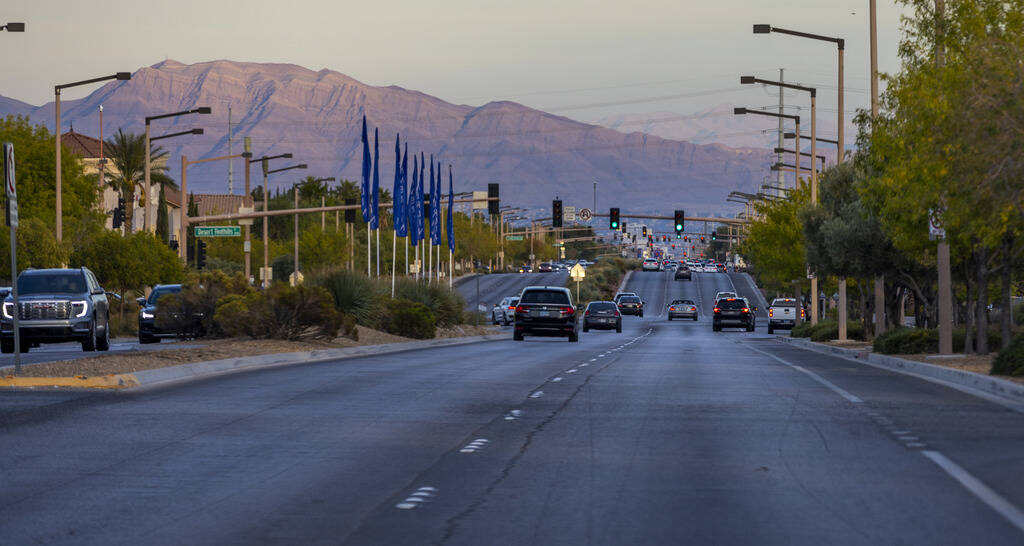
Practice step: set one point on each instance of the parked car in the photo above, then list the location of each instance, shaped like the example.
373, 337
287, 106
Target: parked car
57, 306
631, 305
782, 314
683, 273
504, 312
603, 315
546, 311
682, 309
148, 331
733, 313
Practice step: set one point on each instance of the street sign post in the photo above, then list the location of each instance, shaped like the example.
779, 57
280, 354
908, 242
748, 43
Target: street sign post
936, 229
578, 273
12, 220
218, 231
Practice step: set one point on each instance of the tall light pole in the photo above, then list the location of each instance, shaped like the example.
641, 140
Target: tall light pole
841, 46
146, 184
796, 121
880, 318
323, 202
183, 211
121, 76
196, 131
266, 207
295, 263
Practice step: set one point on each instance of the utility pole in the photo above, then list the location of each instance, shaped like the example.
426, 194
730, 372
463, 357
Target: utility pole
880, 318
231, 164
942, 254
782, 142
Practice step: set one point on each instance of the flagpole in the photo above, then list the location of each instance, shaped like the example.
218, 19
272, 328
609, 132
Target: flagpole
394, 262
378, 251
369, 261
451, 270
406, 255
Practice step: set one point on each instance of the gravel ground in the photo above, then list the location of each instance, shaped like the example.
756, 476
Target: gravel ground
218, 349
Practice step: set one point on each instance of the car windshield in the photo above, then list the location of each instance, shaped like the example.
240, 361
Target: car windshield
52, 283
731, 304
545, 296
629, 299
602, 306
682, 302
155, 295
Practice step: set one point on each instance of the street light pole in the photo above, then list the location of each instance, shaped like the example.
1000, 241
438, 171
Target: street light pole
266, 255
147, 185
122, 76
880, 311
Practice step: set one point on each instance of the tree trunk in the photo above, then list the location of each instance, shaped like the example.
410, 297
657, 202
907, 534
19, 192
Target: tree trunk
969, 316
129, 211
982, 305
1005, 302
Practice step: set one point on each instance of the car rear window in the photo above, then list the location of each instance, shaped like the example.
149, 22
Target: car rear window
629, 299
784, 303
731, 304
682, 302
602, 306
52, 283
545, 296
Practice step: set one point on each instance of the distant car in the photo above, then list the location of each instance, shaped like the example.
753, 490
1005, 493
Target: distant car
57, 306
545, 268
631, 305
651, 264
682, 309
733, 313
148, 332
504, 312
721, 295
603, 315
619, 295
546, 311
4, 291
720, 268
683, 273
525, 269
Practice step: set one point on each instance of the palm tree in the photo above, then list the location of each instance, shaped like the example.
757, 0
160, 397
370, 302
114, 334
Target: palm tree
311, 189
128, 154
348, 189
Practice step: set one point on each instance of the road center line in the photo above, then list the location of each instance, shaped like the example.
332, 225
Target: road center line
985, 494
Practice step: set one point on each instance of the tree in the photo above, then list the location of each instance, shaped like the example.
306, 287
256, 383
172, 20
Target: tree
774, 246
128, 154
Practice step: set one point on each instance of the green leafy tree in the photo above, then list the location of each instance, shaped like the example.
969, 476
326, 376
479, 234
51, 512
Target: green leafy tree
775, 245
128, 155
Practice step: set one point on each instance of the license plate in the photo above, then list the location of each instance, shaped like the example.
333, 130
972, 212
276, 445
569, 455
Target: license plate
542, 314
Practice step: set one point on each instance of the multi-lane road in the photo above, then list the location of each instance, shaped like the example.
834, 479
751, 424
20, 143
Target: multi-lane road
666, 433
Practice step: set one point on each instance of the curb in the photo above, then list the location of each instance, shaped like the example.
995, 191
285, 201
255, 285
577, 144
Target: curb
202, 370
989, 385
625, 279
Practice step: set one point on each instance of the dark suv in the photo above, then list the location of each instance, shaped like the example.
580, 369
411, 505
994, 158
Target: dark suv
546, 311
55, 306
148, 332
733, 313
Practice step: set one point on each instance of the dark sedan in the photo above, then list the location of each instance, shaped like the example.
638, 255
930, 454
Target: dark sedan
603, 315
683, 273
733, 313
148, 332
631, 305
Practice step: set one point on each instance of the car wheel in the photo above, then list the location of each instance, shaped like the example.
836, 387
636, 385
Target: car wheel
716, 328
695, 318
770, 329
89, 343
586, 328
517, 336
670, 317
574, 337
103, 343
641, 314
750, 327
7, 346
618, 327
145, 340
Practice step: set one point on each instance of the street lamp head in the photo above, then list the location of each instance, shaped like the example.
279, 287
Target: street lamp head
762, 29
14, 27
746, 79
197, 131
779, 150
739, 111
286, 155
203, 110
789, 135
247, 155
300, 166
123, 76
776, 166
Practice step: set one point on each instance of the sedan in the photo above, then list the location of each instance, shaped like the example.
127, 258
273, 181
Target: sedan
631, 305
683, 273
504, 312
603, 315
682, 309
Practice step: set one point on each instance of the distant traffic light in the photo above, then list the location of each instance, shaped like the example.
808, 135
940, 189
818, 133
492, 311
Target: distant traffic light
613, 218
556, 213
645, 231
680, 221
119, 216
493, 207
673, 245
713, 236
200, 254
702, 238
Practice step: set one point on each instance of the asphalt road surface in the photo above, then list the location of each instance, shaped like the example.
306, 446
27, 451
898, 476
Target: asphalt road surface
667, 433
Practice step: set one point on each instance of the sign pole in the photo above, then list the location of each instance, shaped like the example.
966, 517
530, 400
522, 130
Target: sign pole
12, 221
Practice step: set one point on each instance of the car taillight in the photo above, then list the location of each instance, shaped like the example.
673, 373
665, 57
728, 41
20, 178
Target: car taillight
520, 309
511, 306
746, 310
771, 313
693, 309
716, 309
671, 308
617, 314
567, 310
587, 314
802, 313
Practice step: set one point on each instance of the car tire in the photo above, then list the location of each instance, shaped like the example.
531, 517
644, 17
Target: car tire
586, 328
694, 318
103, 343
670, 317
618, 327
770, 329
573, 337
7, 346
517, 336
146, 340
750, 327
89, 343
716, 328
641, 314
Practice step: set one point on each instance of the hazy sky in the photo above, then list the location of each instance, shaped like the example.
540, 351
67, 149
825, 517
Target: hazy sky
582, 59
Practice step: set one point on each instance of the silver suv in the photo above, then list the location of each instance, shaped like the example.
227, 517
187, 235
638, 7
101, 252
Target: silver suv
56, 306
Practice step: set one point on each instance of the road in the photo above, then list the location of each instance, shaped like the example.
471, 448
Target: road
667, 433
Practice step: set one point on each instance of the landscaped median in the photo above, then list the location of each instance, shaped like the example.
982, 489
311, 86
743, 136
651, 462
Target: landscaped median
148, 368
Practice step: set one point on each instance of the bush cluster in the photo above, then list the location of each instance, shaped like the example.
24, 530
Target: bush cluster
408, 318
801, 330
827, 330
1010, 360
369, 301
281, 312
924, 340
602, 279
192, 311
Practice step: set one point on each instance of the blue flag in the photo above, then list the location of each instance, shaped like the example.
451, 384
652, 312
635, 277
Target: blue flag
450, 224
411, 212
435, 210
398, 214
364, 188
420, 230
375, 190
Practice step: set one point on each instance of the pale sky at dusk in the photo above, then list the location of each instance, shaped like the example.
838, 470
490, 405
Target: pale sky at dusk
581, 59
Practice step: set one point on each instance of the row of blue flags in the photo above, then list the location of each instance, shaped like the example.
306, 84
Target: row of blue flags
407, 199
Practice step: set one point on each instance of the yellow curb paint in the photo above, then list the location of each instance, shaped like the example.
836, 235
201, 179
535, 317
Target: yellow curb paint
117, 381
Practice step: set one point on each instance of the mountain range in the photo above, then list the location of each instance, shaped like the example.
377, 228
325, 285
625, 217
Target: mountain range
316, 115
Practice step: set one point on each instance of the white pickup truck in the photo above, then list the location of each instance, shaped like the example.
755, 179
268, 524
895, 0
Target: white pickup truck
782, 313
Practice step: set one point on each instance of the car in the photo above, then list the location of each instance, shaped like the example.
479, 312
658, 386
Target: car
722, 295
525, 269
504, 312
603, 315
148, 331
57, 306
720, 268
782, 314
683, 272
620, 294
631, 305
733, 313
651, 264
682, 309
546, 311
545, 268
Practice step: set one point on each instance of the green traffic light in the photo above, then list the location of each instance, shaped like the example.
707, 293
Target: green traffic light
679, 227
615, 224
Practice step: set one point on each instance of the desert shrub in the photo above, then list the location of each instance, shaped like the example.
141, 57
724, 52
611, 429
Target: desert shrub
191, 311
354, 294
828, 330
408, 319
908, 341
281, 312
446, 305
602, 279
801, 330
1010, 360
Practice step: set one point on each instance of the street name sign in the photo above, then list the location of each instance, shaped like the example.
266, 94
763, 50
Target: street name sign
513, 237
218, 231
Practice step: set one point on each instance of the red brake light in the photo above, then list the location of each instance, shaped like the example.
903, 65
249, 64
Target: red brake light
567, 310
671, 308
771, 312
511, 306
746, 310
520, 309
587, 314
693, 309
617, 313
716, 309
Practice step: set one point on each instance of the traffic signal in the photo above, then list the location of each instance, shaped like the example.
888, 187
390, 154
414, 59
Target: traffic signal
350, 214
713, 236
556, 213
623, 227
492, 193
680, 221
645, 231
119, 217
673, 245
201, 255
702, 238
679, 235
613, 218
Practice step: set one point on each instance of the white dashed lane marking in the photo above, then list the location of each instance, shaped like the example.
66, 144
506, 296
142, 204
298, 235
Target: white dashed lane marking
556, 380
474, 446
537, 394
418, 497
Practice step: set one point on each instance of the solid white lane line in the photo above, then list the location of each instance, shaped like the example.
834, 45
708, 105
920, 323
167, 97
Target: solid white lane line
836, 389
593, 360
537, 394
985, 494
556, 380
574, 370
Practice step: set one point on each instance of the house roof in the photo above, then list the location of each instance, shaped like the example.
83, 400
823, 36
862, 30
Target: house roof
83, 145
210, 203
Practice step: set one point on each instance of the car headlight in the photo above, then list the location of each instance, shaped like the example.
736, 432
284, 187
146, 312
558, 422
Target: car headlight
8, 310
147, 315
79, 308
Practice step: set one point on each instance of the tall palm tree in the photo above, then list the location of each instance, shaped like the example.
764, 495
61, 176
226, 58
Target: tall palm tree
128, 154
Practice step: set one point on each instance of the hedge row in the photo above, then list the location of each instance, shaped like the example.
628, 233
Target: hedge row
828, 330
922, 340
1010, 360
602, 279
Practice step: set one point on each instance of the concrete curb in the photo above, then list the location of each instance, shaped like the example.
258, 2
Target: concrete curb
989, 385
625, 279
202, 370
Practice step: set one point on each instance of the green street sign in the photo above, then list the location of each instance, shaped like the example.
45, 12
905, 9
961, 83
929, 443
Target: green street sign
513, 237
218, 231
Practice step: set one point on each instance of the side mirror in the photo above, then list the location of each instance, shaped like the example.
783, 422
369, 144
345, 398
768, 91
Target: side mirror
140, 301
98, 291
